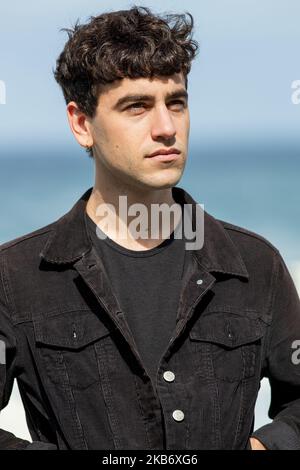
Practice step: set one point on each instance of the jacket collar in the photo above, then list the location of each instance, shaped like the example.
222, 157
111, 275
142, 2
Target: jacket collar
69, 239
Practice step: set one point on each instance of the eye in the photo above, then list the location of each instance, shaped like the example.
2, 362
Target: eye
178, 102
137, 106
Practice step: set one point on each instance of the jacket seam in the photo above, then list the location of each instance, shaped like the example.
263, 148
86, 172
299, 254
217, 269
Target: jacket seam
7, 245
269, 310
6, 289
235, 228
2, 280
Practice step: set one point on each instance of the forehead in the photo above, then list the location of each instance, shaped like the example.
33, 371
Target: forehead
156, 86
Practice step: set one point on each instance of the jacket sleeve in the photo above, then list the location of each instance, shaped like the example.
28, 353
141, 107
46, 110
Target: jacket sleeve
8, 355
283, 364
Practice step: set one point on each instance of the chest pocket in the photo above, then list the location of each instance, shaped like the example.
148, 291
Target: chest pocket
227, 346
66, 343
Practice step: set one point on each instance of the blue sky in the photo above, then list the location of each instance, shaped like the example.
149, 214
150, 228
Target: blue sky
240, 83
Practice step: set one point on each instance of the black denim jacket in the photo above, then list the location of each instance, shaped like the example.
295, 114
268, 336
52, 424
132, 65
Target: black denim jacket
78, 369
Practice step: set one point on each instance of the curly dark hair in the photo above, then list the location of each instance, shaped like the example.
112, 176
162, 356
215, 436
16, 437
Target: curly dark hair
127, 43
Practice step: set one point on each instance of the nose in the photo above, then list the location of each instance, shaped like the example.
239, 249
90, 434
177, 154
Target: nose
163, 125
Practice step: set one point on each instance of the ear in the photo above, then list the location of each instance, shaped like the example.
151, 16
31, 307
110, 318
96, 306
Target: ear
79, 124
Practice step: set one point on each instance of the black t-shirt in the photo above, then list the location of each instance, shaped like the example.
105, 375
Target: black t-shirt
147, 286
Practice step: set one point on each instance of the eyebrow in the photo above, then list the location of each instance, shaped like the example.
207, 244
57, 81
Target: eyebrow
130, 98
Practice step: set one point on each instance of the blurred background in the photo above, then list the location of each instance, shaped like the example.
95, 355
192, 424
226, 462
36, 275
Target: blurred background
244, 154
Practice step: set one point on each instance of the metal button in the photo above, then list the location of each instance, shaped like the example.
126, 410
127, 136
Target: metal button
178, 415
200, 281
169, 376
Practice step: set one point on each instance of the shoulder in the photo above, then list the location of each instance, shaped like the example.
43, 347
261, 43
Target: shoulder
247, 238
28, 242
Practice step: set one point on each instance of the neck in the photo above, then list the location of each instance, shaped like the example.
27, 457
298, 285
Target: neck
111, 212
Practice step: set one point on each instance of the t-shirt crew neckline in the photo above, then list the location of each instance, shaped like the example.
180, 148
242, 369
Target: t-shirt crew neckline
126, 251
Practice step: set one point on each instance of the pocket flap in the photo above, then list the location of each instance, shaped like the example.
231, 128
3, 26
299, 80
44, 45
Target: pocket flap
71, 329
227, 329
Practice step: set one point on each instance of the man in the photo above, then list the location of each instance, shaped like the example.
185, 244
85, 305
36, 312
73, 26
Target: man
136, 342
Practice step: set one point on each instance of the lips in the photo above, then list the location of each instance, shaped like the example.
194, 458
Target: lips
170, 151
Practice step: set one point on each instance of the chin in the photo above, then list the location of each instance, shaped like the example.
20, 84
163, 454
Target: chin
165, 181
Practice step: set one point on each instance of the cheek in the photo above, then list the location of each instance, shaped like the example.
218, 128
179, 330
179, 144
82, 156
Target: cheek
121, 156
187, 124
123, 143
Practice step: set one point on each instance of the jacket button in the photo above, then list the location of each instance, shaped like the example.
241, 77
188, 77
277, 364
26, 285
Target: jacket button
169, 376
200, 281
178, 415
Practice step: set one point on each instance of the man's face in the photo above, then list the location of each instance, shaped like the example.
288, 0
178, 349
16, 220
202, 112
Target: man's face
127, 130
